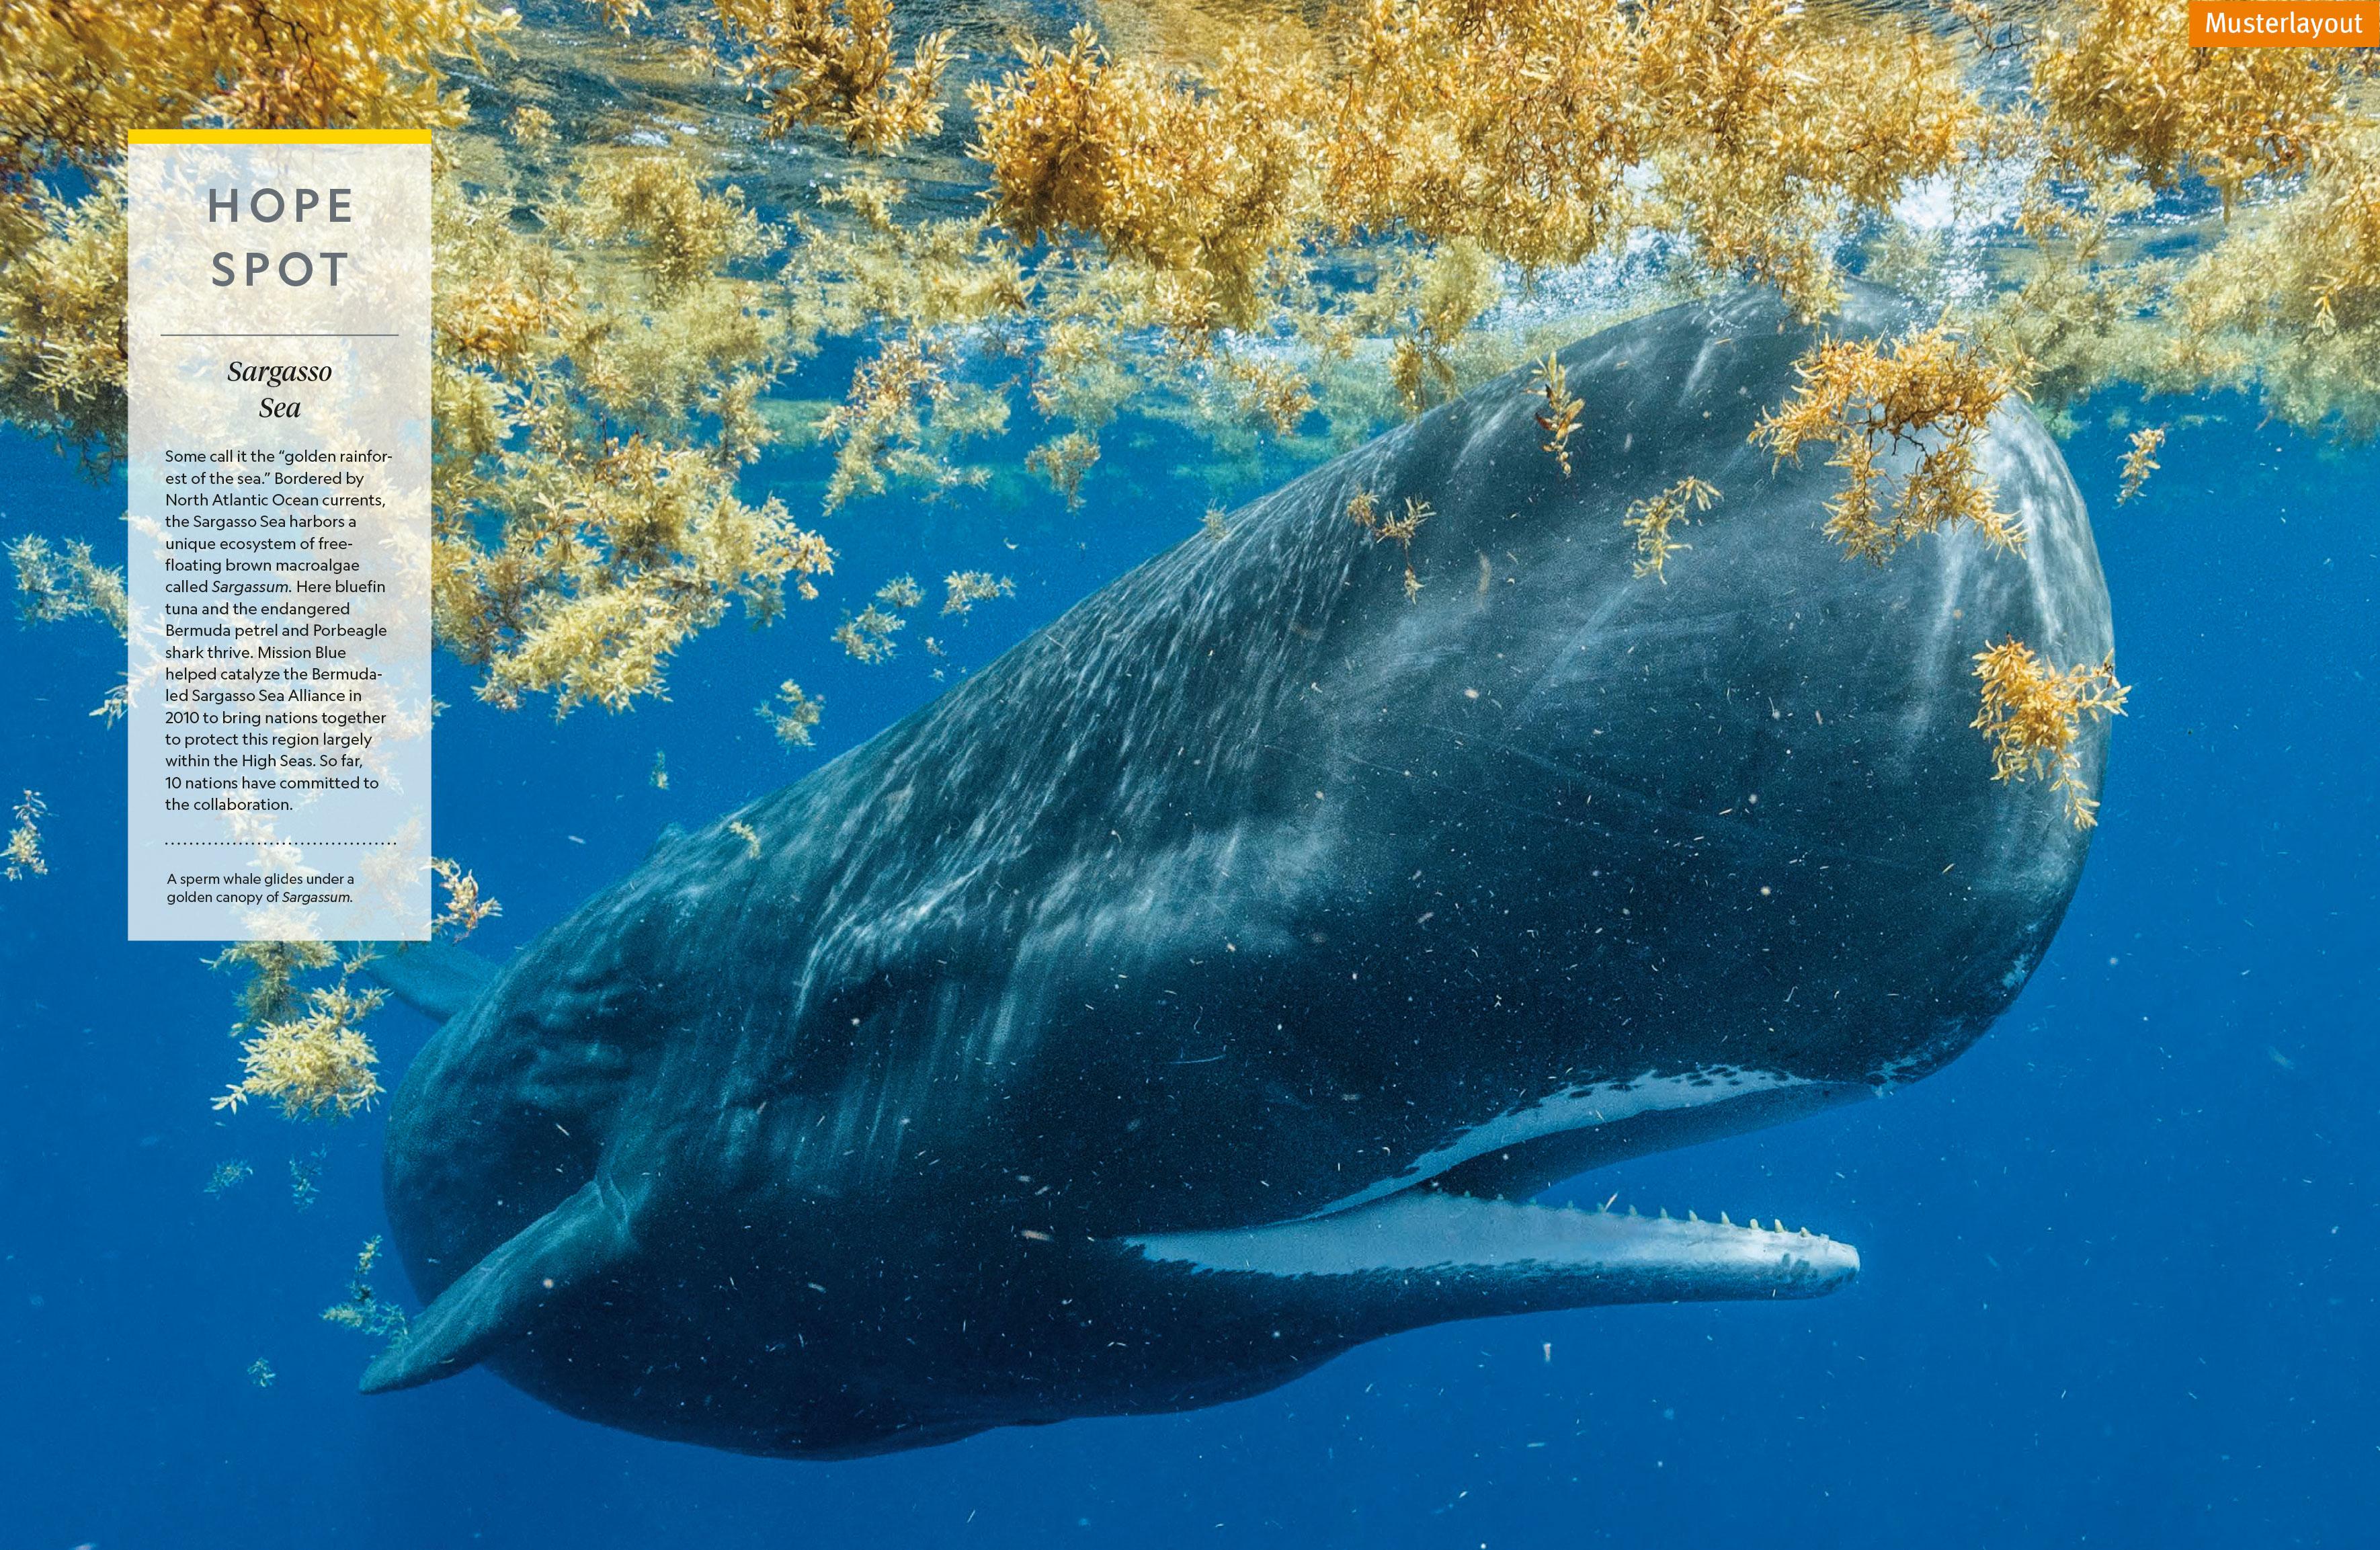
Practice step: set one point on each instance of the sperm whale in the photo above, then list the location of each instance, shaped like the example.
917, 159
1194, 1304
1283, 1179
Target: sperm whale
1208, 986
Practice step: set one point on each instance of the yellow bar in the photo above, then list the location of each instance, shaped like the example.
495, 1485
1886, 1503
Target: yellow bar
280, 137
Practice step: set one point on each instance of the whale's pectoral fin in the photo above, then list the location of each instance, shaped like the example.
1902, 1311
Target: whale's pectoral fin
1423, 1257
495, 1299
437, 980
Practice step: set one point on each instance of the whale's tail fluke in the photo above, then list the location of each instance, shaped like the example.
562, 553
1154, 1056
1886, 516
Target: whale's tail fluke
499, 1300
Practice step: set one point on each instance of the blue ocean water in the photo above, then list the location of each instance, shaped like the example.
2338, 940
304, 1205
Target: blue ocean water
2121, 1258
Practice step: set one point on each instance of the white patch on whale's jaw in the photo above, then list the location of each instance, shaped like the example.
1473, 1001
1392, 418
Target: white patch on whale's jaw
1900, 1072
1492, 1256
1602, 1103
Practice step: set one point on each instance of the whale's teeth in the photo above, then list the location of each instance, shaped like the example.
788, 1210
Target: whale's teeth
1632, 1210
1723, 1219
1692, 1217
1780, 1224
1665, 1213
1803, 1230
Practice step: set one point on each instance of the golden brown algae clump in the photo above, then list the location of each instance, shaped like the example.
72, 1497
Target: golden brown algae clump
2141, 462
466, 905
62, 299
1063, 460
1559, 419
22, 855
2118, 82
830, 63
868, 636
75, 75
1362, 509
793, 715
53, 586
1515, 127
317, 1064
1202, 175
963, 590
228, 1175
365, 1311
586, 528
2033, 713
882, 419
2292, 297
1651, 520
1930, 392
274, 969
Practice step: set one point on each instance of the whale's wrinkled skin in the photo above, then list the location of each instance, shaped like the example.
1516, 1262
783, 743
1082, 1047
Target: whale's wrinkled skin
1205, 986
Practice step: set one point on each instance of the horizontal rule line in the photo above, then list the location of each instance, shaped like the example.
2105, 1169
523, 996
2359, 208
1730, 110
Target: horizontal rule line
281, 336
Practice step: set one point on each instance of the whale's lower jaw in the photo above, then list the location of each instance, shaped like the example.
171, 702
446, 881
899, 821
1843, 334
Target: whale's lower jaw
1180, 1321
1424, 1257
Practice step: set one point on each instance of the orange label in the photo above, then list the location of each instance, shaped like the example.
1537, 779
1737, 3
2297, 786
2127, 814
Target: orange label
2284, 23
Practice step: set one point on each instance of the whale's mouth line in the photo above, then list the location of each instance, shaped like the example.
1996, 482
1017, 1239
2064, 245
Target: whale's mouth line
1459, 1212
1591, 1125
1446, 1183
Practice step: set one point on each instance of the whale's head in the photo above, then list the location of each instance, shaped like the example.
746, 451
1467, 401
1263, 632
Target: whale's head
1728, 831
1684, 854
